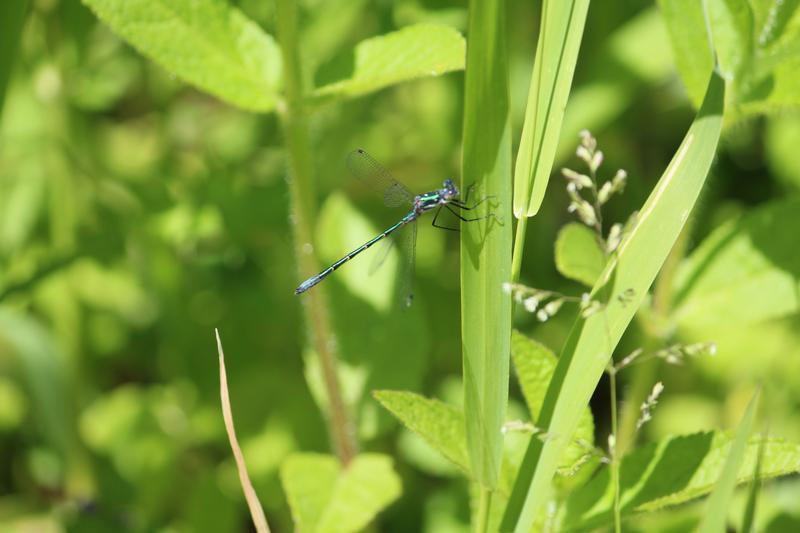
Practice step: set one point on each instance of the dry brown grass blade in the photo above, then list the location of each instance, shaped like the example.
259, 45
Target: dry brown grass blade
256, 511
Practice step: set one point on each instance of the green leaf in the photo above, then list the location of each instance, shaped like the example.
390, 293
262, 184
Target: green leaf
486, 245
556, 55
578, 255
414, 52
325, 497
716, 512
12, 17
309, 480
687, 30
621, 289
732, 32
783, 157
439, 424
534, 364
671, 472
745, 272
341, 228
41, 366
207, 43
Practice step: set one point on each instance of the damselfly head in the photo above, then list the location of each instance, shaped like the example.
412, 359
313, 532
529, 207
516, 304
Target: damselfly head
449, 189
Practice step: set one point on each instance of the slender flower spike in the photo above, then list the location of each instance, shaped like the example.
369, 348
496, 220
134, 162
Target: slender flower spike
580, 180
531, 303
649, 404
597, 160
614, 237
588, 140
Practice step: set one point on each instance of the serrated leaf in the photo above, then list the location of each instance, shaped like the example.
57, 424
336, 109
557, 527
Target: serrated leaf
621, 289
671, 472
556, 56
534, 364
716, 511
207, 43
439, 424
746, 271
413, 52
578, 255
326, 498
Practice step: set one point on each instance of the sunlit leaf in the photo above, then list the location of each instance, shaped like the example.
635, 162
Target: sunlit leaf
690, 47
746, 271
671, 472
578, 255
439, 424
414, 52
326, 497
207, 43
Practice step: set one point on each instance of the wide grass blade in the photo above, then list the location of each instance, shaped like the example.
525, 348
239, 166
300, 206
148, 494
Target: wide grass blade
486, 245
720, 500
556, 55
620, 290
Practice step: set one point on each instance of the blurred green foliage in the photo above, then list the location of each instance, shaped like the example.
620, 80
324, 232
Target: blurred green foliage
137, 214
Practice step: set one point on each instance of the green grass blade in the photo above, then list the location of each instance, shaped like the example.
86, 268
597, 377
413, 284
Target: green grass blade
206, 43
556, 55
12, 16
748, 520
720, 500
414, 52
621, 288
486, 245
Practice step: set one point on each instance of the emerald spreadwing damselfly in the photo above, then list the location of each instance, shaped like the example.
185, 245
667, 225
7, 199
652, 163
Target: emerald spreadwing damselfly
395, 194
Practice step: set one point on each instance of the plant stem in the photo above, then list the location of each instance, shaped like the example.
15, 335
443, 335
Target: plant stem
612, 373
519, 245
295, 128
484, 506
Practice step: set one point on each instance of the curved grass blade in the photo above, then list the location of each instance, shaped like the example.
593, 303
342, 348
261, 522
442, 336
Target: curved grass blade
716, 514
256, 511
620, 290
556, 56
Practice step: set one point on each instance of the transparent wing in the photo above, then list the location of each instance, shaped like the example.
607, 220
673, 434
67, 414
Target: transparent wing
409, 244
380, 255
369, 171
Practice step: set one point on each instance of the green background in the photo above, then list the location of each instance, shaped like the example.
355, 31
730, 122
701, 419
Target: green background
137, 214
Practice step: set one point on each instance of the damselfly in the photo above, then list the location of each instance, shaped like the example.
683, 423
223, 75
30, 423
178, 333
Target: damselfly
396, 194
